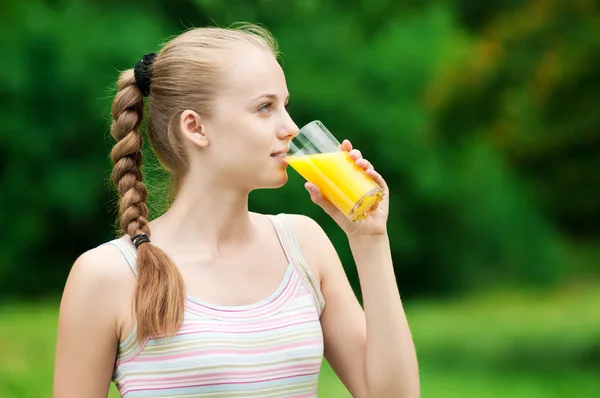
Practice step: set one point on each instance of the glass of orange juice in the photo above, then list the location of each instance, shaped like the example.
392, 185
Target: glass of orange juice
317, 156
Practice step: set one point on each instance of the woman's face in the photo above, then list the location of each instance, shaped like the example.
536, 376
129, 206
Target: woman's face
250, 124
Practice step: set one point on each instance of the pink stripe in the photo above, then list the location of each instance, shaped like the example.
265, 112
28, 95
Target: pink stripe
252, 313
131, 357
288, 323
231, 310
283, 325
289, 320
292, 291
166, 357
240, 376
221, 384
200, 330
298, 292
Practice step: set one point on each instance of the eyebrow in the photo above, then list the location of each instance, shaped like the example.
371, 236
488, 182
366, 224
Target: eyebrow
271, 97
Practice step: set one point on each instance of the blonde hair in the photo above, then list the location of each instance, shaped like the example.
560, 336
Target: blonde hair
186, 74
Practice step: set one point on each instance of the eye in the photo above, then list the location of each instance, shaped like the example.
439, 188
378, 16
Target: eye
264, 108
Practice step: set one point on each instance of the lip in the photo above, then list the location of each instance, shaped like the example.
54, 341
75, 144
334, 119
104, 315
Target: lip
280, 159
284, 151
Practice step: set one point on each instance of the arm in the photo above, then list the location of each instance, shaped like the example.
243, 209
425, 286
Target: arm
87, 329
372, 351
390, 357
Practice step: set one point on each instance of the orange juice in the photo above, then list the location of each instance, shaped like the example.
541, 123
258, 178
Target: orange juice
341, 181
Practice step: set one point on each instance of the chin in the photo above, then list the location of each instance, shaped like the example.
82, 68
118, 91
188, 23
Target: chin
276, 181
283, 179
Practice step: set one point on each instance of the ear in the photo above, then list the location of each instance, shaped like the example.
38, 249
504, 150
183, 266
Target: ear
192, 128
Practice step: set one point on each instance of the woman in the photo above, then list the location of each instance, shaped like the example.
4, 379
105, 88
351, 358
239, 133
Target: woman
210, 299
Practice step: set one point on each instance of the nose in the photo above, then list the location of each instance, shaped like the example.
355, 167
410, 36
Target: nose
289, 129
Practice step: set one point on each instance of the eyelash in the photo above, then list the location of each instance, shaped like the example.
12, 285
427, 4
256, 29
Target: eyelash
269, 104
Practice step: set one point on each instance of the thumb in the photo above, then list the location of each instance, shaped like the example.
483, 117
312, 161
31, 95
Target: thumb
317, 197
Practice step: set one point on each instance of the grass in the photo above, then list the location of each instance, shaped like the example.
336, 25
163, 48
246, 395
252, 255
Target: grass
498, 345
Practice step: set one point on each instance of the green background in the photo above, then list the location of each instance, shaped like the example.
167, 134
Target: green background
483, 118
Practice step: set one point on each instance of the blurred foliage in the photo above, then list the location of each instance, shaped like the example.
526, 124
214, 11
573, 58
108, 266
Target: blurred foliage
482, 118
533, 73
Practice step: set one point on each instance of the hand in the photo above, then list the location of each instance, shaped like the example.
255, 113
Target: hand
375, 223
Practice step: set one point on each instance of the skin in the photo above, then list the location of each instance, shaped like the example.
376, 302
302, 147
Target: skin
211, 235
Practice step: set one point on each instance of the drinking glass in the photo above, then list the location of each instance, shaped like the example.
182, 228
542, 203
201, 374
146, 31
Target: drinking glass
317, 156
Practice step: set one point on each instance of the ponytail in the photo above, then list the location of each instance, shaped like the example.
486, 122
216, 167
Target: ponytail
159, 292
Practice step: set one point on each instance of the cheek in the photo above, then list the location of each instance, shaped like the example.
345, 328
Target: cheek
251, 145
240, 158
242, 141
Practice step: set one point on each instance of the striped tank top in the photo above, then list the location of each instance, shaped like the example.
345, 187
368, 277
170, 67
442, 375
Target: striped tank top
272, 348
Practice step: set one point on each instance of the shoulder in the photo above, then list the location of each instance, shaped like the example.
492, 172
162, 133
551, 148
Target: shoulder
314, 243
98, 275
306, 228
104, 264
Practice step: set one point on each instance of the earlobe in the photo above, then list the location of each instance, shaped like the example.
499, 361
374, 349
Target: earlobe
192, 128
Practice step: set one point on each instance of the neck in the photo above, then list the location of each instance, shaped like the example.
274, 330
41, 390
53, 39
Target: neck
205, 213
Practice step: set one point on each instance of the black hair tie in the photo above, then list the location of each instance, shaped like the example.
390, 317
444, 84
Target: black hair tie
139, 239
143, 74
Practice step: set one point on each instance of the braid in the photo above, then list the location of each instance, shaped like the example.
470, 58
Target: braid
127, 113
159, 293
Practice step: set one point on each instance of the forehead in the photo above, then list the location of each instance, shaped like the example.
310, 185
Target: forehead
254, 71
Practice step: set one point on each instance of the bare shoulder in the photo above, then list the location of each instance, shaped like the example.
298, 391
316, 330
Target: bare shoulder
306, 228
100, 267
99, 283
315, 244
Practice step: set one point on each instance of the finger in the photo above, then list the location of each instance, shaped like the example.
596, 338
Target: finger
364, 164
355, 154
378, 180
346, 146
319, 199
